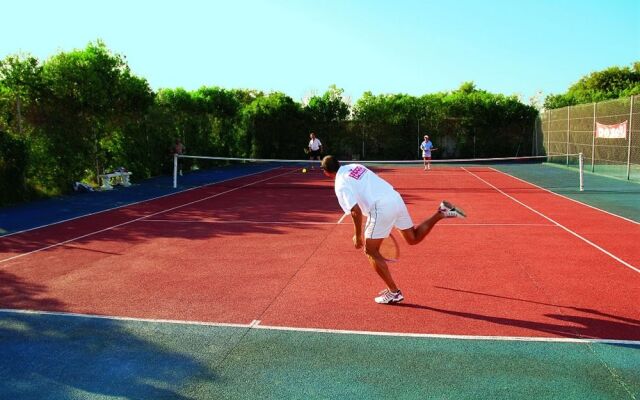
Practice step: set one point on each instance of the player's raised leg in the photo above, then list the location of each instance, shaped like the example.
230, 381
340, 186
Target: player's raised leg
416, 234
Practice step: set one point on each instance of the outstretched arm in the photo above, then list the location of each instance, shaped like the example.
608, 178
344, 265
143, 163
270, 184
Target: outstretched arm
356, 216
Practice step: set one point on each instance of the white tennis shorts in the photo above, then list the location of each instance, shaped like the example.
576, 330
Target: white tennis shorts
386, 213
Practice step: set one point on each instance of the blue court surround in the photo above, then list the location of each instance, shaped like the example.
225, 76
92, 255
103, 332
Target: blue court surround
45, 212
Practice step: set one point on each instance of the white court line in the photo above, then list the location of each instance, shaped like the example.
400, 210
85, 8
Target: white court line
569, 198
140, 218
173, 221
256, 324
114, 318
621, 261
342, 218
444, 336
239, 222
134, 203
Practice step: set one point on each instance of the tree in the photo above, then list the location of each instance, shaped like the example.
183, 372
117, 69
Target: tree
330, 107
272, 124
21, 81
89, 98
611, 83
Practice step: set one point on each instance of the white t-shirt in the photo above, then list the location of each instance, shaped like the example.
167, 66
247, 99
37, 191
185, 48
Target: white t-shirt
356, 184
314, 144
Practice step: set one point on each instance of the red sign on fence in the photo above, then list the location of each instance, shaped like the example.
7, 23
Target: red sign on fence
617, 131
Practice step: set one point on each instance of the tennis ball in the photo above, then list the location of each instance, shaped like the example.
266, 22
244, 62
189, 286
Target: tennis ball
304, 170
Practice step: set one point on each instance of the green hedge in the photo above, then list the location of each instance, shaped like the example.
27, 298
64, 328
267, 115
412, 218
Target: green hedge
13, 165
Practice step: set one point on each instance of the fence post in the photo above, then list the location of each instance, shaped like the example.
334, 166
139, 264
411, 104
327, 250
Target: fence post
593, 140
419, 142
549, 135
580, 170
534, 145
630, 136
363, 143
568, 128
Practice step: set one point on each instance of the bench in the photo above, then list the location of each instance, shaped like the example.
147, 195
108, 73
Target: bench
121, 178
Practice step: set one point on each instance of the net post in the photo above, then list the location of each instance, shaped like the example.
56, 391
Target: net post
175, 170
580, 170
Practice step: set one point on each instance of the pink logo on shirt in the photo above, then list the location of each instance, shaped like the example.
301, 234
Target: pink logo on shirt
357, 172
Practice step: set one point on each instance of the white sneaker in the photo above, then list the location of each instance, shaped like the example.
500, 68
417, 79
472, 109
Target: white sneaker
389, 297
450, 211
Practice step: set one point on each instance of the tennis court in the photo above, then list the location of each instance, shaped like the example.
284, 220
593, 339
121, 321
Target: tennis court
249, 287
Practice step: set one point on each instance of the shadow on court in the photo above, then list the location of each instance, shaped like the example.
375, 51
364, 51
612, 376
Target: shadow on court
193, 215
588, 326
63, 357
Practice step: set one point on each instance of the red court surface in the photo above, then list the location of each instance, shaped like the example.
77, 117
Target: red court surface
525, 263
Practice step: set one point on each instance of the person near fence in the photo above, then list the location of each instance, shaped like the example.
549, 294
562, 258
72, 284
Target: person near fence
315, 148
179, 149
427, 147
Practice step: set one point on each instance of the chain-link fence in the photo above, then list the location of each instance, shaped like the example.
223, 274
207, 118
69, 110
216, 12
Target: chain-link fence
571, 130
453, 137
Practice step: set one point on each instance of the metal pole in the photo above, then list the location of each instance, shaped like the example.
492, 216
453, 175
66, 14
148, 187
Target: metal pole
419, 139
630, 136
568, 127
593, 140
362, 142
534, 147
175, 170
549, 135
580, 172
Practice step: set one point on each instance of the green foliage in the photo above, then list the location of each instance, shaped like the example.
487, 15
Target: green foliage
83, 112
270, 123
13, 164
330, 107
463, 123
90, 96
611, 83
74, 110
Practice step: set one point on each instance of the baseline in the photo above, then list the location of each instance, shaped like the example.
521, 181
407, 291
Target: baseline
256, 324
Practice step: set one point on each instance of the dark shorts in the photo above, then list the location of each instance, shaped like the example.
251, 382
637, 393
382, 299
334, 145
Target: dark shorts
314, 154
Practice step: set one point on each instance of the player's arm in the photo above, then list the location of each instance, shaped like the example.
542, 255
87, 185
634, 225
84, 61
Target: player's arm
356, 216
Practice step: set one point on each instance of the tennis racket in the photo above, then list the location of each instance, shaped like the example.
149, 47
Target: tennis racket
306, 150
389, 249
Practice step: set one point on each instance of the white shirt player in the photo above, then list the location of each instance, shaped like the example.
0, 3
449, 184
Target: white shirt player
314, 144
356, 184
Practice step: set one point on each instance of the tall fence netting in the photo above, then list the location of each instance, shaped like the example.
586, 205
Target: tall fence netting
571, 130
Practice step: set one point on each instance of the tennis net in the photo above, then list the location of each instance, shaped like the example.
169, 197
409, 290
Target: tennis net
552, 171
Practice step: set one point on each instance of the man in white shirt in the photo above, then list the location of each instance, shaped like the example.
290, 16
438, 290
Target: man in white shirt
362, 192
315, 147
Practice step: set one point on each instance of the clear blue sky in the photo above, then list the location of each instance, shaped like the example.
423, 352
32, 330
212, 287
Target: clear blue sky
301, 47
